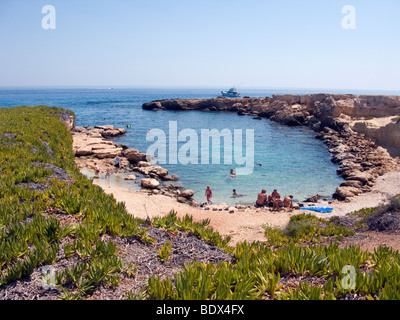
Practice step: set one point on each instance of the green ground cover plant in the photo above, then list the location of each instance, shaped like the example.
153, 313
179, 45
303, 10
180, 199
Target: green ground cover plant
306, 228
51, 213
34, 144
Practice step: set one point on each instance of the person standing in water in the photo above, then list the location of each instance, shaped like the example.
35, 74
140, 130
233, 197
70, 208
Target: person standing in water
96, 170
117, 163
208, 194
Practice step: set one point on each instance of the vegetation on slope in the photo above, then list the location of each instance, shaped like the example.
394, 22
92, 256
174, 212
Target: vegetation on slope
49, 211
51, 215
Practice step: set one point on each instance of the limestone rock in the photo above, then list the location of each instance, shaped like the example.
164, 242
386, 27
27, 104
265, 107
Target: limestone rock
364, 177
130, 177
143, 164
134, 156
187, 193
110, 152
82, 151
170, 177
351, 183
347, 192
156, 171
181, 199
149, 183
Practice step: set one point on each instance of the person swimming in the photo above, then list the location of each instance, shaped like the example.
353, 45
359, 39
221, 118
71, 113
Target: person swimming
233, 174
235, 194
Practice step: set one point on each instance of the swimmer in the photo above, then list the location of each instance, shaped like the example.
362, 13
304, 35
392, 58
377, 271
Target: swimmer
235, 194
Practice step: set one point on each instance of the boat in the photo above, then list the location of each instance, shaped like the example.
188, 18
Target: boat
231, 93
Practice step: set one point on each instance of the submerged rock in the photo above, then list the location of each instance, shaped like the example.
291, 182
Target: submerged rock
130, 177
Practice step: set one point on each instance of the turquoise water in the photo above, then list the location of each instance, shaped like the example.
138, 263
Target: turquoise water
293, 161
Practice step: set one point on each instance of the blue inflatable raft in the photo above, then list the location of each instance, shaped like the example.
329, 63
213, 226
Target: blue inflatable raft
318, 209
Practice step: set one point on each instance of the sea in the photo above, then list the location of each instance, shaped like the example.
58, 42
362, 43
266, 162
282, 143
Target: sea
292, 160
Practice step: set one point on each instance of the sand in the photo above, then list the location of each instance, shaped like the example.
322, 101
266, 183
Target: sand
245, 224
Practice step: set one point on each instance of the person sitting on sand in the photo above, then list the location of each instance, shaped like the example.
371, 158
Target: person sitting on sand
288, 202
278, 203
270, 201
274, 195
261, 199
208, 194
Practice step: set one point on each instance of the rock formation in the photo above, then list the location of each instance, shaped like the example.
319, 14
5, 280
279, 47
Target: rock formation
359, 150
92, 147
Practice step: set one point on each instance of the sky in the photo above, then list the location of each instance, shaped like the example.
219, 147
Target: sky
186, 43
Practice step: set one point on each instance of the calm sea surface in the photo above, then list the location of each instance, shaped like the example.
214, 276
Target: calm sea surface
293, 161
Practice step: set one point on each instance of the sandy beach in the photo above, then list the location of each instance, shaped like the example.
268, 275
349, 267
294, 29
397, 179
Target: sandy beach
246, 224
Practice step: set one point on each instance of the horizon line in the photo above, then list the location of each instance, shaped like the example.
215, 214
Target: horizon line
216, 87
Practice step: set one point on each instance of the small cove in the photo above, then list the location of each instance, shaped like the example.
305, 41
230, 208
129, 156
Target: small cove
293, 161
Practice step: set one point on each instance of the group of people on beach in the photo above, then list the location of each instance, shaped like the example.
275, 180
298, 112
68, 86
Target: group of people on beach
273, 200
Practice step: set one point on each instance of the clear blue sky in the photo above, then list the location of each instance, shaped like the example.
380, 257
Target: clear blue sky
255, 43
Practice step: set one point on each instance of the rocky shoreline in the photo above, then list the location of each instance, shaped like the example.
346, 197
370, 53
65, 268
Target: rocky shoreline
92, 146
361, 160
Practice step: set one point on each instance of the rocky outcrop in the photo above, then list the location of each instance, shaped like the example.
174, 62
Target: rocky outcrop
134, 156
92, 148
92, 142
291, 109
386, 135
109, 131
360, 161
